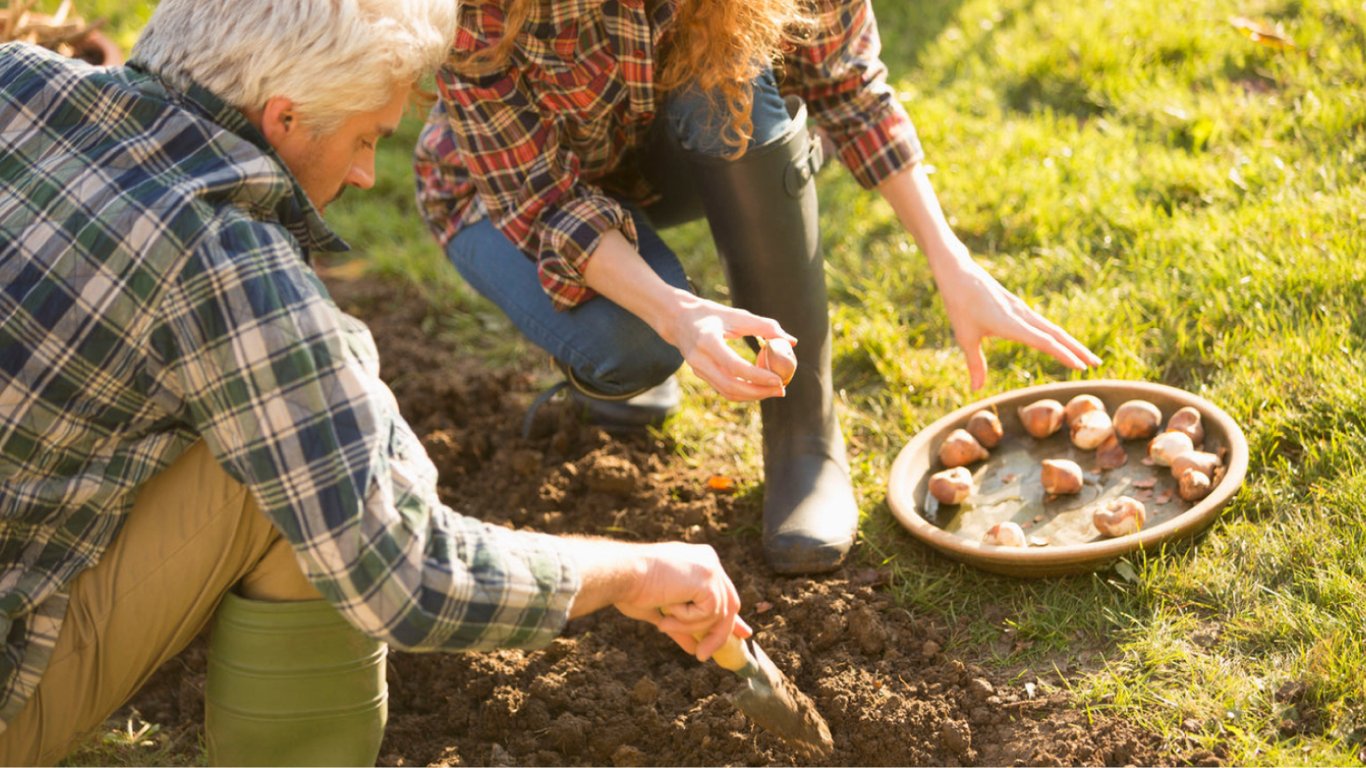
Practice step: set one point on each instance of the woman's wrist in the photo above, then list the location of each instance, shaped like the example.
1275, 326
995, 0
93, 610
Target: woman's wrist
617, 271
917, 207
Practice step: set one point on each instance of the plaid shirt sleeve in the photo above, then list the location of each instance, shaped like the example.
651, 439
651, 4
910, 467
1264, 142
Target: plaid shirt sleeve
839, 74
526, 178
284, 388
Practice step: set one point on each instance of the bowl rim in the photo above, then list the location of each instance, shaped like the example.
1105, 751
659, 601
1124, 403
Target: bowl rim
1065, 558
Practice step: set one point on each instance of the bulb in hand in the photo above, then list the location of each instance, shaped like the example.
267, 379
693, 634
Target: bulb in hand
777, 356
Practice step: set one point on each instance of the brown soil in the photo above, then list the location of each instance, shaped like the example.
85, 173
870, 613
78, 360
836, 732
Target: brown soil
612, 691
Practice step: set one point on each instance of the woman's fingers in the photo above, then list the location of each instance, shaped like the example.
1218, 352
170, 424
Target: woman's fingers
1063, 337
734, 377
742, 323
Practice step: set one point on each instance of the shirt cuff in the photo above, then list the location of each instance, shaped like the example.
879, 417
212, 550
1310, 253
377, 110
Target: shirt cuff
438, 194
890, 145
570, 233
551, 581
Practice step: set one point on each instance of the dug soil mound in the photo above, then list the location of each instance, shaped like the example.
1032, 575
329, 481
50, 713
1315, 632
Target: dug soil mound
612, 691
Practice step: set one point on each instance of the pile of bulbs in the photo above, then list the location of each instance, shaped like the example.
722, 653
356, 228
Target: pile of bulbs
1178, 446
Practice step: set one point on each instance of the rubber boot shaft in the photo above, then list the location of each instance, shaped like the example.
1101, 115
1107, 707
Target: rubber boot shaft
763, 215
292, 684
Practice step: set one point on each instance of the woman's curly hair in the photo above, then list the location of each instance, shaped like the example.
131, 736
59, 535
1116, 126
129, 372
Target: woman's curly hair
718, 46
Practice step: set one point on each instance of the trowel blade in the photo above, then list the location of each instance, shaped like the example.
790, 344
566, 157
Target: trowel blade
777, 706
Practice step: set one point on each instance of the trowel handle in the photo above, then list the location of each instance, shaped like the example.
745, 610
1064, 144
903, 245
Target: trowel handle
732, 655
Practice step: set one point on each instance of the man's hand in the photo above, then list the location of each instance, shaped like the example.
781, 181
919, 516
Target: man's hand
680, 588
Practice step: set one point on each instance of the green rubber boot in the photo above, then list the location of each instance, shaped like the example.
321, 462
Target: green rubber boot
292, 684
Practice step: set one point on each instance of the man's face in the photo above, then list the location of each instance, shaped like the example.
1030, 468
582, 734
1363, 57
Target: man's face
326, 163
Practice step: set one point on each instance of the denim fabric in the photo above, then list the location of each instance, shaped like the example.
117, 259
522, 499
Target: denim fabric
698, 124
609, 349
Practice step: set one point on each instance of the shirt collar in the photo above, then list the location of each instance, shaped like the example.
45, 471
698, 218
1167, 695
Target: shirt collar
295, 211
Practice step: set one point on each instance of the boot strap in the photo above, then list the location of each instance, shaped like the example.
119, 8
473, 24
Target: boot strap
801, 170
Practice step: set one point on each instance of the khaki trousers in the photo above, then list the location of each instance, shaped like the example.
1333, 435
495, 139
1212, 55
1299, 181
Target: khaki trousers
193, 534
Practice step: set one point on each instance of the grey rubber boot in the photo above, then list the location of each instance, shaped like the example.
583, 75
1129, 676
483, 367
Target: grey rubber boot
633, 411
763, 216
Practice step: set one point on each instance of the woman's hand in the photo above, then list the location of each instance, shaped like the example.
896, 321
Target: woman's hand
697, 327
978, 307
976, 304
701, 328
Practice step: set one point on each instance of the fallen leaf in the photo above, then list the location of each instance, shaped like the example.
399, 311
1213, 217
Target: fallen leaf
1126, 571
1110, 454
1143, 494
1163, 497
722, 483
1262, 33
1146, 482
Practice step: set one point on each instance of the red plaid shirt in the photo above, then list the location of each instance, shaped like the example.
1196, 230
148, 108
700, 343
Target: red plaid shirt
531, 146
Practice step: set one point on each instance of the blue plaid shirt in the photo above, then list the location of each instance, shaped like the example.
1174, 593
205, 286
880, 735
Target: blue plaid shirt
155, 291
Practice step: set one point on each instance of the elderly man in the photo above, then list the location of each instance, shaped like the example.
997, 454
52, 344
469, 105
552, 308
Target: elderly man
189, 426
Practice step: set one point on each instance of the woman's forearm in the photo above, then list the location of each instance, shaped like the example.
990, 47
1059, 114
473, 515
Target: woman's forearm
617, 271
913, 199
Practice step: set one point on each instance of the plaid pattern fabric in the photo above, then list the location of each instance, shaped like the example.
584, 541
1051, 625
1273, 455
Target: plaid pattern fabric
154, 291
531, 146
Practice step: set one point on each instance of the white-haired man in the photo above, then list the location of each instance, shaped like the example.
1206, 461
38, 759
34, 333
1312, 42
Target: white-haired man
189, 427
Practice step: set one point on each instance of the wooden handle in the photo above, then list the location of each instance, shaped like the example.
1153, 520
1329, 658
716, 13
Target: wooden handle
732, 655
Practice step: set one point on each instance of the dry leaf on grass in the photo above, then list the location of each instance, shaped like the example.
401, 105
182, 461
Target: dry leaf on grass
1262, 33
721, 483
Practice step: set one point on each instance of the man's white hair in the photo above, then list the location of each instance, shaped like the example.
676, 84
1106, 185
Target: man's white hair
332, 58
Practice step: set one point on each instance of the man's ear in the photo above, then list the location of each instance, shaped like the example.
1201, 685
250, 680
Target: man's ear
279, 121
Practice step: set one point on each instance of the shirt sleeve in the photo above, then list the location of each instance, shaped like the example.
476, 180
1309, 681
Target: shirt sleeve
525, 177
840, 76
284, 389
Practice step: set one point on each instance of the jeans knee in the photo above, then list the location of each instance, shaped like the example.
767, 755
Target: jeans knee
638, 367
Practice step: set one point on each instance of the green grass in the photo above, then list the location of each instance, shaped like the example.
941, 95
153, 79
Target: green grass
1189, 204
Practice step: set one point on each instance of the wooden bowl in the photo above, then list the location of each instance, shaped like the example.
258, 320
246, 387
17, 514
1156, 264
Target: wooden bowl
1007, 487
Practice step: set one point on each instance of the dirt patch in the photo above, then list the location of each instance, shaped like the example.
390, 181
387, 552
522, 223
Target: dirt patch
615, 692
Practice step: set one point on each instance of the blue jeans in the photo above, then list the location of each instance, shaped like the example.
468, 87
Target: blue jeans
609, 349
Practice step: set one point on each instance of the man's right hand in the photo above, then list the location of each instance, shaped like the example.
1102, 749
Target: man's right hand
680, 588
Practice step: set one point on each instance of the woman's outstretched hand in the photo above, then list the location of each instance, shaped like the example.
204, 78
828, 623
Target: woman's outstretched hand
978, 307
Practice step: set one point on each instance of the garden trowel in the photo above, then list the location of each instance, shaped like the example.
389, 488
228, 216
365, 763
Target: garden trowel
773, 702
